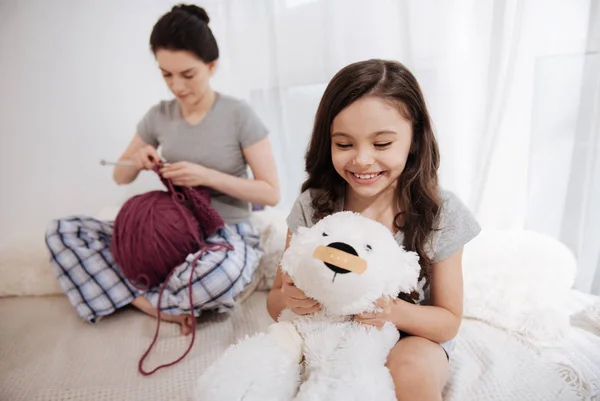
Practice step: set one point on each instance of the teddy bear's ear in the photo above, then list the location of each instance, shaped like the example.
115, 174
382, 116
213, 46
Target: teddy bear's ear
301, 230
406, 274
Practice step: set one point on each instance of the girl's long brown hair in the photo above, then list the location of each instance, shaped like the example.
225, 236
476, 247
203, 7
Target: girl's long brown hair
417, 190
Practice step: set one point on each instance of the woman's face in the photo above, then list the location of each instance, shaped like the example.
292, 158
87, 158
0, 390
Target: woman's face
187, 77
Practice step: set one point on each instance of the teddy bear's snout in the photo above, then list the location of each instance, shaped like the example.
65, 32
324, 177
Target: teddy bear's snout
340, 246
340, 258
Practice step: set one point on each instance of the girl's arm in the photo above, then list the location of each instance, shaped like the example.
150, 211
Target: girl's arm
263, 189
284, 294
275, 299
440, 321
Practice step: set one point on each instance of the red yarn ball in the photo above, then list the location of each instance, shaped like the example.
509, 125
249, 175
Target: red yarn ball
153, 234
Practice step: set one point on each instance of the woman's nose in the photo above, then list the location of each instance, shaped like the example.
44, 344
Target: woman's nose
176, 85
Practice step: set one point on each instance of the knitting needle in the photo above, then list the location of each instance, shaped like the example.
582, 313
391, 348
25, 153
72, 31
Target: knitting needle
123, 163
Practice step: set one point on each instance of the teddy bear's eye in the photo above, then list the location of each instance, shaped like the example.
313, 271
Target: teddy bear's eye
368, 248
325, 235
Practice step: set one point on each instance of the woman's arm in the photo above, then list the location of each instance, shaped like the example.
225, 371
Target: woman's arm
440, 321
142, 155
263, 189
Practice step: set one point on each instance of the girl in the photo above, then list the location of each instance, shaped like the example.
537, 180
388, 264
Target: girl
373, 151
209, 139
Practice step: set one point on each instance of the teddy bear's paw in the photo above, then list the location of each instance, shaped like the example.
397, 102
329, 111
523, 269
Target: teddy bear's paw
365, 384
254, 369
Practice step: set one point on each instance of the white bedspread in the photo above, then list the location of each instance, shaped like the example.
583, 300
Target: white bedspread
47, 353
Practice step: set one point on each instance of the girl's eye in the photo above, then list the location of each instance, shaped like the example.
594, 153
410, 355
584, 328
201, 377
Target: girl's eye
382, 145
166, 75
188, 77
344, 145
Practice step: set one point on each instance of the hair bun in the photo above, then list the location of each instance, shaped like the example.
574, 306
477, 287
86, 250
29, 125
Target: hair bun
191, 9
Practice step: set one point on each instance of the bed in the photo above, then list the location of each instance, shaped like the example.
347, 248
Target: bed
549, 350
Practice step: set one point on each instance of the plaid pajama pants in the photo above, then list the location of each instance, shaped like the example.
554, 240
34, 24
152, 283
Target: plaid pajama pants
81, 259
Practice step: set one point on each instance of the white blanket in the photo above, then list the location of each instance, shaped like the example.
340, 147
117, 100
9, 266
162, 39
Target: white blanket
47, 353
490, 365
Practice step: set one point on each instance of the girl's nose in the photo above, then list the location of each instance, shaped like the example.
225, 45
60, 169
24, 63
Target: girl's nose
363, 158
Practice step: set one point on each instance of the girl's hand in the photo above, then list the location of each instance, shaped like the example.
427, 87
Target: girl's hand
378, 319
295, 299
145, 158
187, 174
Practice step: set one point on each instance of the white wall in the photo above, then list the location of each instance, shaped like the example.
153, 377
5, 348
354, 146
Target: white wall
75, 78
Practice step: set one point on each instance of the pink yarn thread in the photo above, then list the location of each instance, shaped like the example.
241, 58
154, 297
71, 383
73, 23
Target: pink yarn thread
155, 232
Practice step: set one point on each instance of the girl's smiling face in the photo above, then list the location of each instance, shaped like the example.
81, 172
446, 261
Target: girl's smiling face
370, 143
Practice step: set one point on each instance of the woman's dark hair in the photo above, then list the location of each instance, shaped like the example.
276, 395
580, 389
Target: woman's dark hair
417, 190
185, 27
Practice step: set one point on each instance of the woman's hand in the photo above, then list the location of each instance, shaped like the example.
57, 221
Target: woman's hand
187, 174
145, 158
386, 314
295, 299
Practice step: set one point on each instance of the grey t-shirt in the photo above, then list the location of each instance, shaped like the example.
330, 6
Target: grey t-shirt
456, 226
215, 142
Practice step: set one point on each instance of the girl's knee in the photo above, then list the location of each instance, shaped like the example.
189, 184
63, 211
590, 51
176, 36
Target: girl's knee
414, 379
418, 363
410, 368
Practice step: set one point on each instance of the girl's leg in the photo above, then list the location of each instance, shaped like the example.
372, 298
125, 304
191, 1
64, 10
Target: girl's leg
419, 368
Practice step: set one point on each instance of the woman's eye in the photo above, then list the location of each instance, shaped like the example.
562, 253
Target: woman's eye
188, 76
381, 145
344, 145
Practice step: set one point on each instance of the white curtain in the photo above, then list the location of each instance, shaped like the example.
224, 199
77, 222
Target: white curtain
513, 88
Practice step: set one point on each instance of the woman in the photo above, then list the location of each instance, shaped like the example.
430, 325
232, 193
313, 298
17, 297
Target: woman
208, 139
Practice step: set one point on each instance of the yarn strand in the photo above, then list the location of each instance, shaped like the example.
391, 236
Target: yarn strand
149, 242
212, 247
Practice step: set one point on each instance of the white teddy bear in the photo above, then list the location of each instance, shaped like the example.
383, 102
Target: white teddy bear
346, 262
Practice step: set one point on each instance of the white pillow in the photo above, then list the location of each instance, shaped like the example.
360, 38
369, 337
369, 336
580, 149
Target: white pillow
592, 314
25, 269
25, 265
273, 228
519, 281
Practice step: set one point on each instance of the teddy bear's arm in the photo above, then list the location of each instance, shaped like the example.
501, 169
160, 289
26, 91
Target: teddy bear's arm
263, 367
288, 339
348, 364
